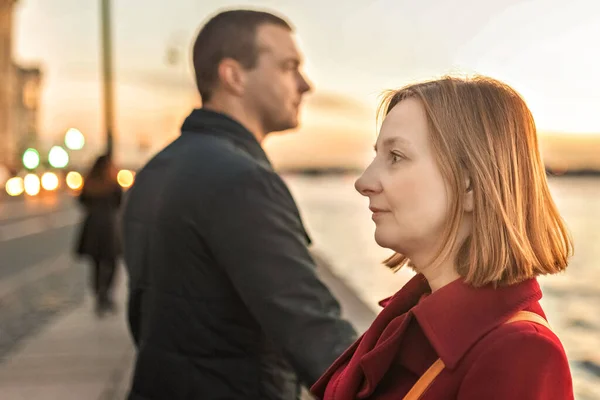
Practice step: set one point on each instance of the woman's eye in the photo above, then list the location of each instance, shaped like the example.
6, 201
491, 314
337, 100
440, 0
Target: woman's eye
395, 157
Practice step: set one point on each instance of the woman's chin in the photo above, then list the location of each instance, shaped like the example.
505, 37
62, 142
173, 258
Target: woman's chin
386, 241
390, 242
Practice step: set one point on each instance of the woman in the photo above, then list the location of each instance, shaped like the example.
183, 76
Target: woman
99, 239
458, 190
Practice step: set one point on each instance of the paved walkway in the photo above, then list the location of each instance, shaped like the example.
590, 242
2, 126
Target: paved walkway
75, 357
80, 357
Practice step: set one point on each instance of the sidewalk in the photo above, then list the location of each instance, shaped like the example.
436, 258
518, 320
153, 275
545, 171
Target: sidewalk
80, 357
75, 357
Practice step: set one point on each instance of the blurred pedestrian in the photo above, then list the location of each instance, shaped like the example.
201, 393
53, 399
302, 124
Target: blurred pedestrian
99, 236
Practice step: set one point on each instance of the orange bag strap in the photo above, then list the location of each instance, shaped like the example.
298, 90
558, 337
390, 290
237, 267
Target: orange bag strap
427, 378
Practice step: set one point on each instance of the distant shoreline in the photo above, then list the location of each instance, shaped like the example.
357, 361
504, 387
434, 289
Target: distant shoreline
320, 171
581, 172
554, 172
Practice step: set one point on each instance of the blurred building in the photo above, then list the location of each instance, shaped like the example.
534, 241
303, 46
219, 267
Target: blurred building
19, 96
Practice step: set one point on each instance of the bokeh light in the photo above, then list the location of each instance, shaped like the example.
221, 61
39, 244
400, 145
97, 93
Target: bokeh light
14, 186
31, 158
50, 181
32, 184
74, 139
58, 157
74, 180
125, 178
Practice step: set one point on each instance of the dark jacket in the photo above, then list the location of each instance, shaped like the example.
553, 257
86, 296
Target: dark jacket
99, 235
224, 301
464, 327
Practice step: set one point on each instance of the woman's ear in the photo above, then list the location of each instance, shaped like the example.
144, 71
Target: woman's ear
468, 204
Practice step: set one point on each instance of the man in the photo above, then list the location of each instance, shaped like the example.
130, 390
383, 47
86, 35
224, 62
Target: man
224, 301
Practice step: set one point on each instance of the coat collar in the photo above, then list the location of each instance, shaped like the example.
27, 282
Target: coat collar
204, 121
452, 319
376, 353
456, 316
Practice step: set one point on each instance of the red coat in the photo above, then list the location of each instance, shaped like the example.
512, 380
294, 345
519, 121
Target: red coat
462, 325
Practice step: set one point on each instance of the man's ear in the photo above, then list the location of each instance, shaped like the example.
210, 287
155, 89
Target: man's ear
232, 76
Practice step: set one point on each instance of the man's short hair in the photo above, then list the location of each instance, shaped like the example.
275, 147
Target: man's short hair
229, 34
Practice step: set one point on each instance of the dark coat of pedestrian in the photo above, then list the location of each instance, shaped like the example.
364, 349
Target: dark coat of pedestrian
99, 238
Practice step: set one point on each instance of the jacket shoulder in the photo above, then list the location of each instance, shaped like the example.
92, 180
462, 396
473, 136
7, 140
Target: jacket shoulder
210, 159
521, 360
218, 152
518, 339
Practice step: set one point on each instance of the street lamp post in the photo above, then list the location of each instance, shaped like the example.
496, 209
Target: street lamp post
107, 75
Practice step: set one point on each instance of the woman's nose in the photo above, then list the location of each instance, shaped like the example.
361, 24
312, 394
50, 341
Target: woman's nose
368, 184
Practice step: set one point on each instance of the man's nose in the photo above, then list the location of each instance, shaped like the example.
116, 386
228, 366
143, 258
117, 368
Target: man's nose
303, 84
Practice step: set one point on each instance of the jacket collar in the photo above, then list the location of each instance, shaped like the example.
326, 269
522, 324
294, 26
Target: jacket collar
456, 316
208, 122
376, 358
452, 319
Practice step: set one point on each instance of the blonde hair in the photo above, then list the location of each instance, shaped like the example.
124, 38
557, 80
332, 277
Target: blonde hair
482, 129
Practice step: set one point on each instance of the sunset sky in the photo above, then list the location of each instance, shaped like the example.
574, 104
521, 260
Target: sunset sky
546, 49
